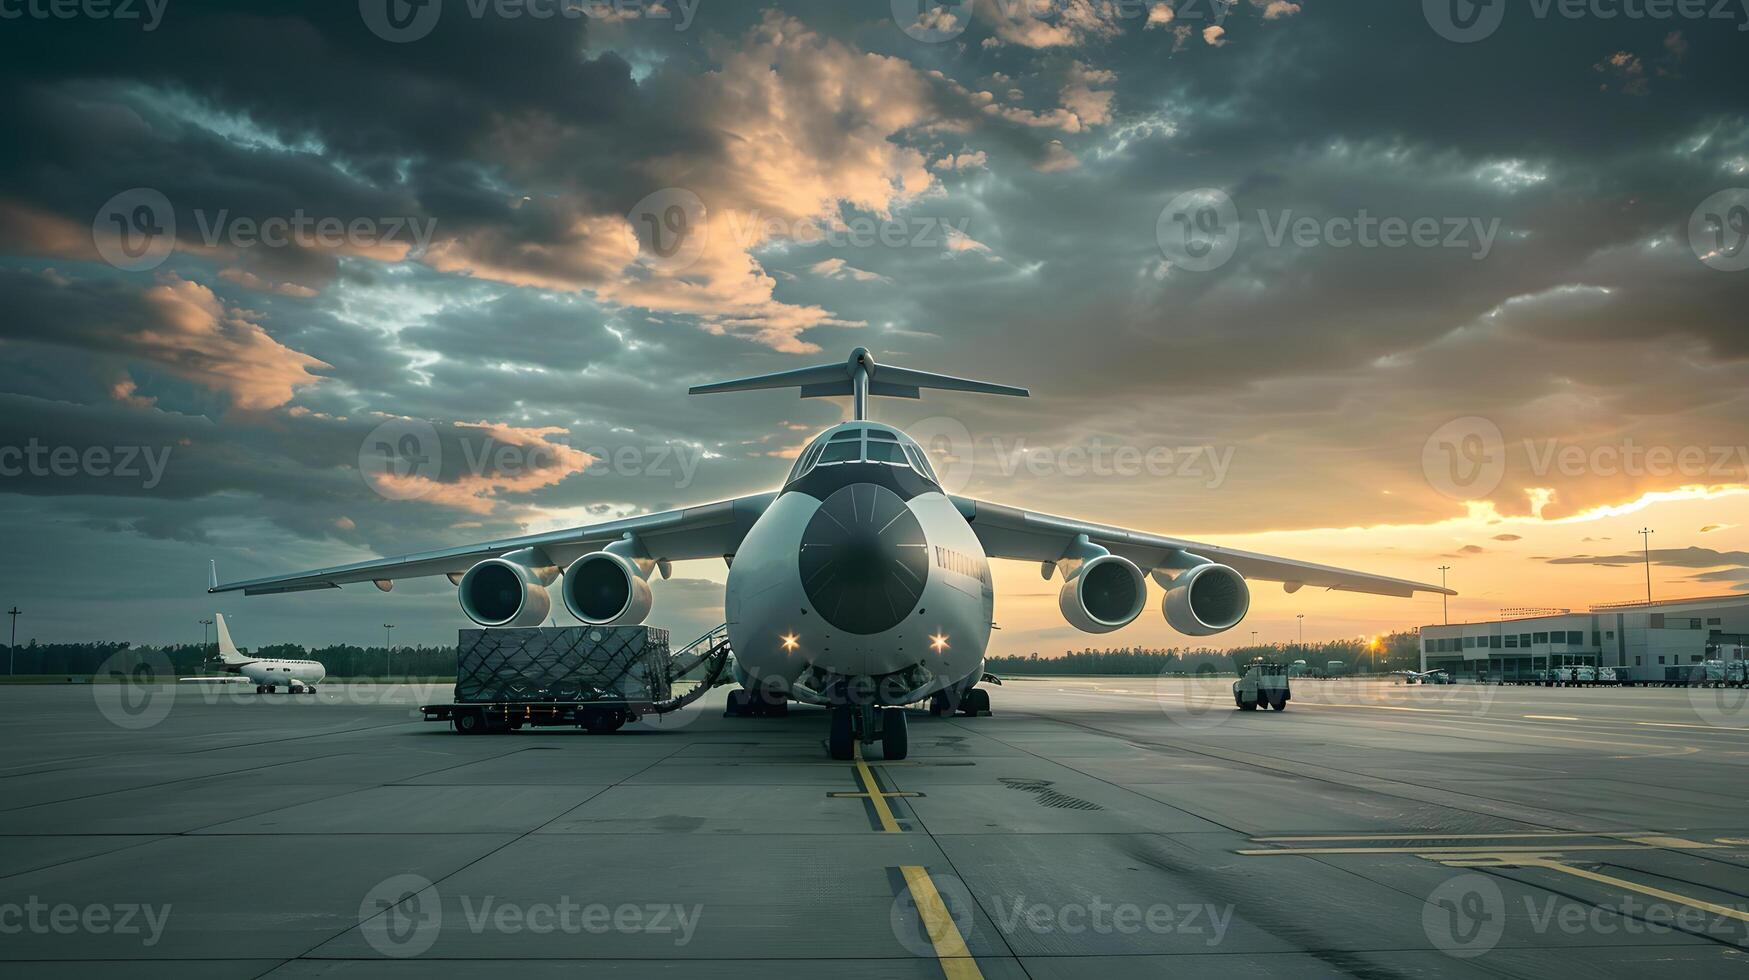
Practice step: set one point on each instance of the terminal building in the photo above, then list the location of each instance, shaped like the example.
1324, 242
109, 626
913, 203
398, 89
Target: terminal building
1644, 639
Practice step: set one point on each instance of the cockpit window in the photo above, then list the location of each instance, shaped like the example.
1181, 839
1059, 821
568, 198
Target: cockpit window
842, 452
863, 444
920, 462
885, 452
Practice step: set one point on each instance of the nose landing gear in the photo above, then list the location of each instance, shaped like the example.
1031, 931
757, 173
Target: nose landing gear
868, 724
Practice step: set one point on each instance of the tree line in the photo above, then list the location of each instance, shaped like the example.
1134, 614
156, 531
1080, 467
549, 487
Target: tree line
81, 660
1394, 651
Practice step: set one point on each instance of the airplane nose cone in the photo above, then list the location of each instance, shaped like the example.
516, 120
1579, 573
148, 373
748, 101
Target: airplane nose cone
864, 559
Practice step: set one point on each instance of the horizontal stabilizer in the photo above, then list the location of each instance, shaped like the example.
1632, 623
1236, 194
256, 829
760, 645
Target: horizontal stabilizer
859, 377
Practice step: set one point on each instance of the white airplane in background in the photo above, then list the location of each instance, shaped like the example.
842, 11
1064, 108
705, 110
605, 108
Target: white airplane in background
295, 676
859, 585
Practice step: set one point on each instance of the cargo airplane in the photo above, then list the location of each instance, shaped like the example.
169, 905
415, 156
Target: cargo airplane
859, 585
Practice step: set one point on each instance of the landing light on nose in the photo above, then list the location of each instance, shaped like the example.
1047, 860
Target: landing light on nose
938, 642
790, 642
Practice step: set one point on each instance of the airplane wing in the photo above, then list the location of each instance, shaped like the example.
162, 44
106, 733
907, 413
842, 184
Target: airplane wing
1009, 532
707, 531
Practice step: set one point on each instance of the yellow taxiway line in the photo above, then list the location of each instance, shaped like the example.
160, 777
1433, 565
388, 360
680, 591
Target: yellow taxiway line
950, 947
1609, 880
878, 799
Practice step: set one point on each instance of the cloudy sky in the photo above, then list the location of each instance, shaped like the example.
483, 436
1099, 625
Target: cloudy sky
1393, 286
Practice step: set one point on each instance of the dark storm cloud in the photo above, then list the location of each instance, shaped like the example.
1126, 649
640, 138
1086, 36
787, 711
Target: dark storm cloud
1050, 150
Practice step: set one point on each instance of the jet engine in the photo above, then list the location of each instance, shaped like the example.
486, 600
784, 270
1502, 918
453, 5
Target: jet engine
1206, 600
1102, 594
501, 592
603, 588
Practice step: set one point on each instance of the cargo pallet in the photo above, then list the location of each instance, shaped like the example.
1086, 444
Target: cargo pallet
597, 678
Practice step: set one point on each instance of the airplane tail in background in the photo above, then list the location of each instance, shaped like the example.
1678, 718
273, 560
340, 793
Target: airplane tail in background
859, 377
228, 651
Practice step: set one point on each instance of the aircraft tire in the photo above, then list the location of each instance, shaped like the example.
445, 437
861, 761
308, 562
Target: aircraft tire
895, 734
841, 738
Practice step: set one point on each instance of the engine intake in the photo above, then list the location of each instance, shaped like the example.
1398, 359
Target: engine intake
1105, 593
606, 589
496, 592
1206, 600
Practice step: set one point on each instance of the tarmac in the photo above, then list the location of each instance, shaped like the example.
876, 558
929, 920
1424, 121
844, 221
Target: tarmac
1110, 827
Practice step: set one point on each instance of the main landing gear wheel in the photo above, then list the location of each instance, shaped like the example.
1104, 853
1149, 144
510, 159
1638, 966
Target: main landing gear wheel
940, 705
260, 689
738, 702
975, 702
753, 704
895, 735
841, 740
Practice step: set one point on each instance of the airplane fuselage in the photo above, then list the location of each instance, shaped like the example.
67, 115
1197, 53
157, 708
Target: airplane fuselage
860, 569
289, 674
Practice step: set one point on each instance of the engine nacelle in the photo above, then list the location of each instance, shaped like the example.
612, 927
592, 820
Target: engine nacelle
606, 589
1102, 594
1206, 600
498, 592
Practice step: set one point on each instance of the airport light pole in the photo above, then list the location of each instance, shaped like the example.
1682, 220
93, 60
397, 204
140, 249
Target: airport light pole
1302, 618
12, 648
203, 640
1646, 536
388, 649
1444, 600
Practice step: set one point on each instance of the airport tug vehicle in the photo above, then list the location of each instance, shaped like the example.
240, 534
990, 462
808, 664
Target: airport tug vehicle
1263, 684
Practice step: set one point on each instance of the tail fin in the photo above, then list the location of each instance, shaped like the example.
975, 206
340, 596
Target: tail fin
228, 651
859, 377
